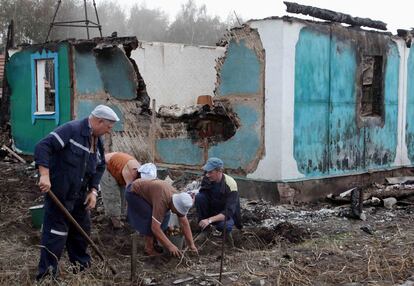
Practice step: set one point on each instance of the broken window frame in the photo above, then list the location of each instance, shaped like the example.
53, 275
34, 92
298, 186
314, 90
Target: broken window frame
376, 88
50, 115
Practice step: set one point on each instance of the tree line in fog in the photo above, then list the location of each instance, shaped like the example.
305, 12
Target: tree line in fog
192, 25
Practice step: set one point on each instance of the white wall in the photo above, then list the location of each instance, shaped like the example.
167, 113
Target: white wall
401, 158
177, 73
279, 41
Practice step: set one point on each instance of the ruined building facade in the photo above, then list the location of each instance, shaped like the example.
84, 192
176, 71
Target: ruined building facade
293, 100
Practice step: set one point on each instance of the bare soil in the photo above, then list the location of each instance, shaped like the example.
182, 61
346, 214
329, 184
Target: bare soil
279, 245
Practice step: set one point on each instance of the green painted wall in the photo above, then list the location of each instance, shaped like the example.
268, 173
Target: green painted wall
19, 76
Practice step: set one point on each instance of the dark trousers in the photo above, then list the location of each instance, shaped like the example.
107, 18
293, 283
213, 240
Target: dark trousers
58, 232
139, 213
205, 209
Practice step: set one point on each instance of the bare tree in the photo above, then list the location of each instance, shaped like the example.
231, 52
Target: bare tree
112, 18
194, 26
147, 24
32, 18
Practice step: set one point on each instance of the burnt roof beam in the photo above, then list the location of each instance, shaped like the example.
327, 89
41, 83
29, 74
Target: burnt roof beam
333, 16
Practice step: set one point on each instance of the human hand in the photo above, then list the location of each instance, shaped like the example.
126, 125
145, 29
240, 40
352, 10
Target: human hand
193, 248
44, 183
174, 251
90, 200
204, 223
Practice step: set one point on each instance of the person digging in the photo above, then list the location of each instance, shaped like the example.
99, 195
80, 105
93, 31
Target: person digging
150, 203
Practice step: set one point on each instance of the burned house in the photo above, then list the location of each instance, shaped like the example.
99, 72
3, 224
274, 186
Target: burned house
293, 101
56, 82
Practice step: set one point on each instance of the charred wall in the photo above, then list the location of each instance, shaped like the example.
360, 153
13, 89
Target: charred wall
346, 100
233, 129
103, 74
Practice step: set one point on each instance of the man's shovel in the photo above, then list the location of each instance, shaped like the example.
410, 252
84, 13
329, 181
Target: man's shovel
80, 229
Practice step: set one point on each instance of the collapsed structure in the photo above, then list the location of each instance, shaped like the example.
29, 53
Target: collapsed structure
294, 101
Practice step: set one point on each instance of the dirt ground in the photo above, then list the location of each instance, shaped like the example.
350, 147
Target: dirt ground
279, 245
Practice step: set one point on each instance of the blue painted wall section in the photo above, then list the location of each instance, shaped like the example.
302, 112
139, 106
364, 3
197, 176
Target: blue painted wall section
346, 140
312, 102
327, 139
88, 78
110, 73
240, 73
85, 107
242, 76
179, 151
409, 137
381, 142
117, 74
241, 149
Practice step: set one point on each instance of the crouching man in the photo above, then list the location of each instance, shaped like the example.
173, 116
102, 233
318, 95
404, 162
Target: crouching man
218, 201
149, 204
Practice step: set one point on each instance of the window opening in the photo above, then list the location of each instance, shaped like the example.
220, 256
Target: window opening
372, 100
45, 87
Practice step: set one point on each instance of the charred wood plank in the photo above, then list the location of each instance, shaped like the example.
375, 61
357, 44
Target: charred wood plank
388, 192
333, 16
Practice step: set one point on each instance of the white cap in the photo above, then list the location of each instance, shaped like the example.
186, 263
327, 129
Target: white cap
182, 202
148, 171
105, 112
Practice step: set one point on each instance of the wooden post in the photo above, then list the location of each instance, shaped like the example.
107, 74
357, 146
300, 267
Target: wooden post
153, 132
205, 149
134, 237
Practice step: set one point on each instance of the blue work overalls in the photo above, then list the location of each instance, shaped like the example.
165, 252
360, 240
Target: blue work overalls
73, 171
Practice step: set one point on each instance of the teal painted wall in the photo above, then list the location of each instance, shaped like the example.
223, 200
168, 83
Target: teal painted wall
179, 151
241, 76
241, 149
346, 140
381, 142
117, 74
88, 79
327, 139
111, 73
240, 73
85, 107
19, 76
312, 102
409, 137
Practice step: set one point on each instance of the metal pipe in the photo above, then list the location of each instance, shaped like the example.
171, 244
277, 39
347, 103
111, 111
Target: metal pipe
86, 18
97, 18
63, 22
69, 25
53, 20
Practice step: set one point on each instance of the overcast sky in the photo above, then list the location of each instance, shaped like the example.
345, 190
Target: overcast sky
396, 13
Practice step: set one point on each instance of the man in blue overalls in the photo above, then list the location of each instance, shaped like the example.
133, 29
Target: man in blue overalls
71, 163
